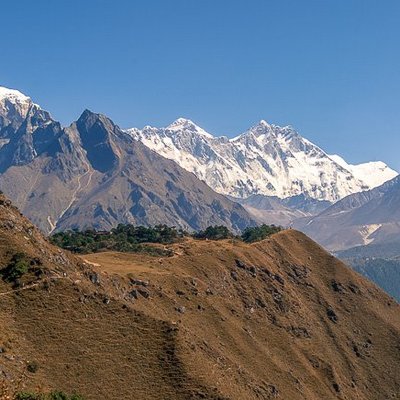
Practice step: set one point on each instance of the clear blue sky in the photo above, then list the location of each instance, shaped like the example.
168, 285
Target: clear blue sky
329, 68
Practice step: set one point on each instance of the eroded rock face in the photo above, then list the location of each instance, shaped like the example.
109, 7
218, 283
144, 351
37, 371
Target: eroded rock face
362, 220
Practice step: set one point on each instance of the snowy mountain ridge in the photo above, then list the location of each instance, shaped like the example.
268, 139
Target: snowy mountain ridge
373, 173
266, 159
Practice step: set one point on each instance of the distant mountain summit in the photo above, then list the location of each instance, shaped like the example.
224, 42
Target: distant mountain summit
266, 159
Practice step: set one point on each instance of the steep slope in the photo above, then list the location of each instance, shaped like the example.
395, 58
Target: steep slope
92, 174
43, 167
77, 329
283, 319
370, 217
267, 159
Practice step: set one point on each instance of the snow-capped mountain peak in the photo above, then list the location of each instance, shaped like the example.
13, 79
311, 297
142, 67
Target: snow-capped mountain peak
264, 130
17, 109
14, 108
266, 159
13, 96
187, 125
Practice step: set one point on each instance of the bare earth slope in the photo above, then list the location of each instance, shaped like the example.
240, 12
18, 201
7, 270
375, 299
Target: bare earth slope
223, 320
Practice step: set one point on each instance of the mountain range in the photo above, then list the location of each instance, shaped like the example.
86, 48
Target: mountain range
91, 174
265, 160
363, 229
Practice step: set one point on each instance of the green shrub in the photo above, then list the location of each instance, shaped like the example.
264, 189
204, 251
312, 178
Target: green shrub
130, 238
32, 367
27, 396
17, 267
58, 396
257, 233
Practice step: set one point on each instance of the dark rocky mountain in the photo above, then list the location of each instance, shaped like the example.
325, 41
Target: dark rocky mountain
369, 217
92, 174
22, 146
374, 250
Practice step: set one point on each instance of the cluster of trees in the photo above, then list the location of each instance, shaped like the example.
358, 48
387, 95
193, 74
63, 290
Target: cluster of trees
129, 238
257, 233
125, 238
217, 232
249, 235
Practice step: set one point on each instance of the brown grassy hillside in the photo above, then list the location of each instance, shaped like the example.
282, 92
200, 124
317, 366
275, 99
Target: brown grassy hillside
218, 320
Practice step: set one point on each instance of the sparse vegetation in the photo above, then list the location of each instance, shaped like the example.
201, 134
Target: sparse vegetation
11, 390
257, 233
32, 367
